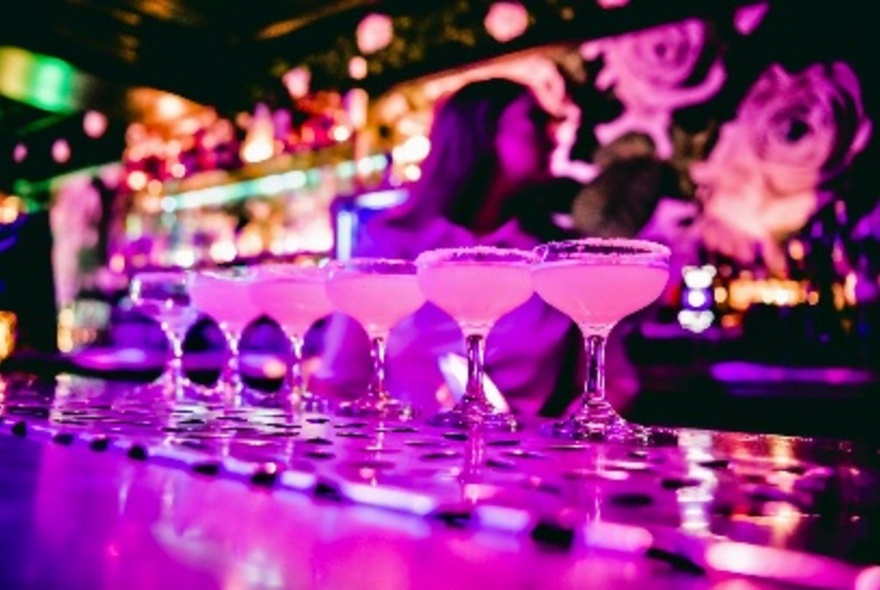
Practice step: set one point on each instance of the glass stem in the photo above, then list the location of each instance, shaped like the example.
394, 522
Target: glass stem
295, 381
174, 370
377, 355
594, 388
474, 393
595, 407
231, 374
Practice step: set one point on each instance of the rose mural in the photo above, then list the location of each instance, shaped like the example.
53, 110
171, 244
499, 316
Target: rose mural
769, 171
650, 73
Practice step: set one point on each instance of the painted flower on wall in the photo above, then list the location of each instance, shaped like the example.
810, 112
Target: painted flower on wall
792, 134
747, 18
506, 21
374, 33
649, 72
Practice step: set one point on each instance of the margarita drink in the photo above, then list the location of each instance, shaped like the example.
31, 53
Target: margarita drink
476, 286
296, 297
164, 296
377, 293
376, 301
598, 294
597, 283
476, 293
225, 296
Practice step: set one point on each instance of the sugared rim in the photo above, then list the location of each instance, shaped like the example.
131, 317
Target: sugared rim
181, 272
239, 273
448, 255
647, 247
354, 263
286, 270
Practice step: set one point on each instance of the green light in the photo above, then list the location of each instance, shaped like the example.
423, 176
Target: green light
42, 81
265, 186
33, 189
53, 85
347, 169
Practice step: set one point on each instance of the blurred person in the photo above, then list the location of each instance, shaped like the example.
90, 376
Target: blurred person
491, 143
635, 195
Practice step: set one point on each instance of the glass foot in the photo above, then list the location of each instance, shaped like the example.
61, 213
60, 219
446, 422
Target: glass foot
166, 390
236, 395
476, 415
311, 404
613, 429
304, 402
374, 407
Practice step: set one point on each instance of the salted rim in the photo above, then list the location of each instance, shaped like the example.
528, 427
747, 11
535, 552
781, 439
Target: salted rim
182, 273
236, 274
352, 263
282, 271
649, 249
439, 254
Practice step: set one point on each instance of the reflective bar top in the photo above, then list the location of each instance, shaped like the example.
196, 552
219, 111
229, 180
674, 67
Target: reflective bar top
100, 488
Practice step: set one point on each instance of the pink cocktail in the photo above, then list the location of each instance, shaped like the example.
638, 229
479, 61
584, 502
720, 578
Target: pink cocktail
459, 289
296, 297
376, 301
597, 283
225, 296
476, 286
599, 294
378, 293
164, 296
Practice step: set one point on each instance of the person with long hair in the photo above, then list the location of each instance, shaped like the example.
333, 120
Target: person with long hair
490, 141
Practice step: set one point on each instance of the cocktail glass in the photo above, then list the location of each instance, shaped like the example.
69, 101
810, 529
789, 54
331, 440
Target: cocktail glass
598, 282
378, 293
164, 296
224, 294
296, 297
476, 286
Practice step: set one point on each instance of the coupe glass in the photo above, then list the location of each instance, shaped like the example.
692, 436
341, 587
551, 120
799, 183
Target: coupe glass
598, 282
224, 295
476, 286
164, 296
378, 293
296, 297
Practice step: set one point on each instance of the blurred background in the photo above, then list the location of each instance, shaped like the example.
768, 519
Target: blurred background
141, 134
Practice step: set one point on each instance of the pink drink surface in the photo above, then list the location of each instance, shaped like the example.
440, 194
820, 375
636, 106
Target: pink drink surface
296, 302
476, 294
225, 299
377, 301
599, 293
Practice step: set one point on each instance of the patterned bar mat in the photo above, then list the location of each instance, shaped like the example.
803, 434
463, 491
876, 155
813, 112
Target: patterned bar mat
707, 500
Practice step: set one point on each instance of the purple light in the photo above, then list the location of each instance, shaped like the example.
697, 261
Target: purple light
782, 565
617, 537
297, 82
61, 151
94, 124
868, 579
20, 152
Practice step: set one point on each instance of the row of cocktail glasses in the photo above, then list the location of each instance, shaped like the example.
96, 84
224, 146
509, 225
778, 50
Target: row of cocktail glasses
595, 282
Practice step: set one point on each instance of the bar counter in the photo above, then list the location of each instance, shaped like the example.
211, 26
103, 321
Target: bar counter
103, 488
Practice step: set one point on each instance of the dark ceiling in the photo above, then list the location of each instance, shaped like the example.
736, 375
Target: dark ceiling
230, 53
210, 51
